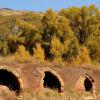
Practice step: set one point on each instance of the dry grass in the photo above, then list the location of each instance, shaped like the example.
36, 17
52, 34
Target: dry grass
12, 12
11, 59
54, 95
8, 96
49, 94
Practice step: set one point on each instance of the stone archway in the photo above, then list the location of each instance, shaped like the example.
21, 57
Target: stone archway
88, 85
85, 83
10, 78
50, 79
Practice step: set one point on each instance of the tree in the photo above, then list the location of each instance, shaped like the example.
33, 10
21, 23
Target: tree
21, 55
57, 48
39, 52
93, 44
30, 34
82, 21
54, 25
83, 57
4, 49
49, 21
13, 41
72, 49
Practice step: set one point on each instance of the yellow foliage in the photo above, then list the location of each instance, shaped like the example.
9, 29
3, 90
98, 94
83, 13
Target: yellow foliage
85, 55
76, 60
39, 52
21, 55
57, 48
82, 58
28, 27
93, 43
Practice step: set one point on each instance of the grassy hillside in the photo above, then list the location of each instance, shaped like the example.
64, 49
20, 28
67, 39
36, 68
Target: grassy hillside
9, 12
7, 17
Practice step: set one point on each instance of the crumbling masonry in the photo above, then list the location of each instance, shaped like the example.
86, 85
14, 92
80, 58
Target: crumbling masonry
20, 77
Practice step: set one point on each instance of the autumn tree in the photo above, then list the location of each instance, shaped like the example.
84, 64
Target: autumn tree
54, 25
22, 55
82, 21
13, 41
83, 57
30, 34
70, 29
39, 52
72, 49
4, 49
93, 44
57, 48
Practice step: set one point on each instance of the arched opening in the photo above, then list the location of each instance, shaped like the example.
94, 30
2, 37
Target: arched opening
88, 85
10, 80
51, 81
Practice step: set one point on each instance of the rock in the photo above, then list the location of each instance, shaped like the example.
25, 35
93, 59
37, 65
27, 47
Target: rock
4, 89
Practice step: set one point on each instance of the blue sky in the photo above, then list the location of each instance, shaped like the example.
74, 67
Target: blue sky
42, 5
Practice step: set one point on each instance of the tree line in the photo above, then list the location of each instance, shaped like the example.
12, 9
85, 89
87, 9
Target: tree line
71, 35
